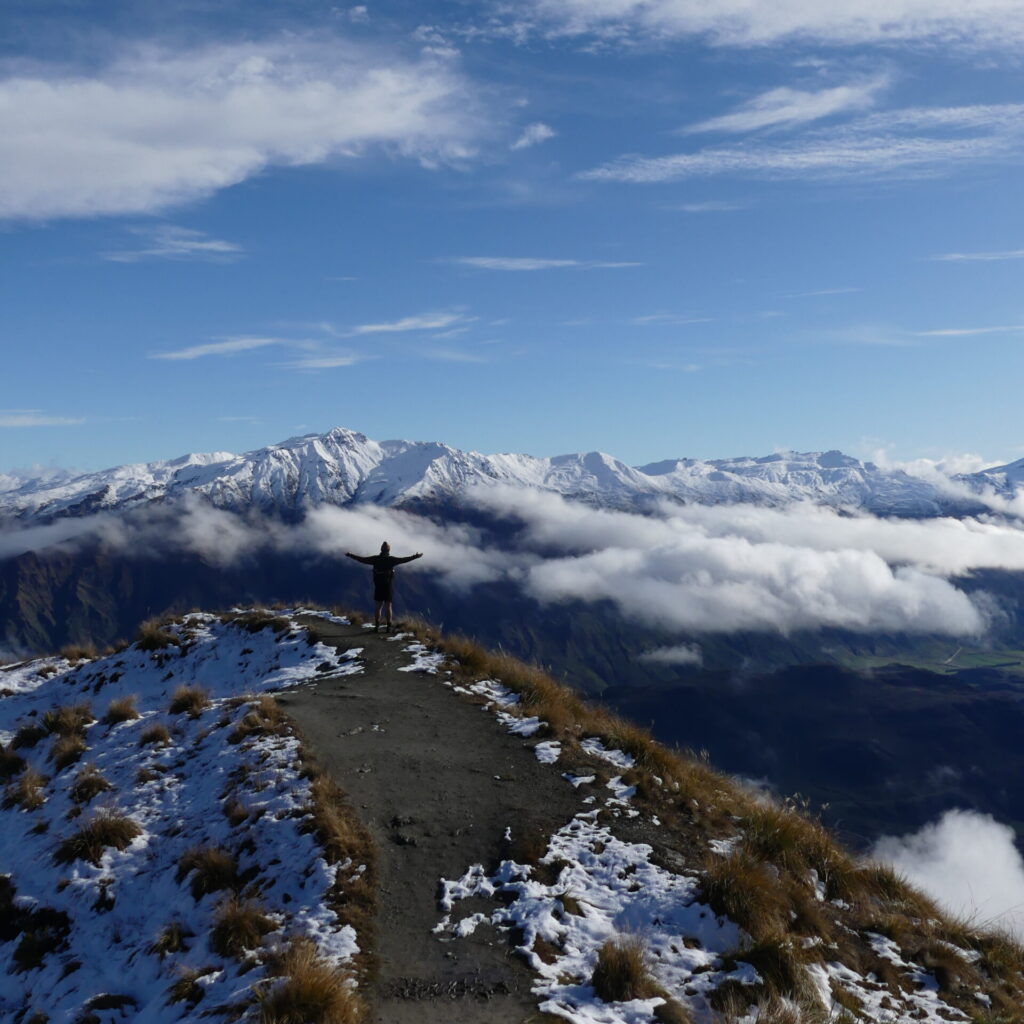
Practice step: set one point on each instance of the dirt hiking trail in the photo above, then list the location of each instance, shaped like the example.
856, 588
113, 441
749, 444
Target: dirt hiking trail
438, 781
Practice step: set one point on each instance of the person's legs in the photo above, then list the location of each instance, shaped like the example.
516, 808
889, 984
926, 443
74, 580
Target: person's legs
387, 613
376, 613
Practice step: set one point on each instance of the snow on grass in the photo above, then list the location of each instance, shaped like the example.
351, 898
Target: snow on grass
89, 926
605, 888
424, 659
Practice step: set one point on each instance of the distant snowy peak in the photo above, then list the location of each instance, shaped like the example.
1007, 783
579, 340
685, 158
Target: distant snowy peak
344, 467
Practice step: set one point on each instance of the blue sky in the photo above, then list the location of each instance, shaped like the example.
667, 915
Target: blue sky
659, 228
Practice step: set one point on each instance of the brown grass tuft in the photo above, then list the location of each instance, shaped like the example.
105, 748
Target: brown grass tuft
121, 709
69, 720
189, 699
27, 792
154, 734
744, 890
78, 652
212, 868
151, 636
66, 750
308, 990
105, 829
10, 762
239, 925
28, 735
172, 939
187, 988
264, 718
255, 621
89, 782
620, 972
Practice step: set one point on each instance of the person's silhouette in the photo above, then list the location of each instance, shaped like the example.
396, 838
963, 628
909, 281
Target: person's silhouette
383, 579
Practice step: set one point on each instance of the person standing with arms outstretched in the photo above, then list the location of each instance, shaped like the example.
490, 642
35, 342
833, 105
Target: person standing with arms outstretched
383, 579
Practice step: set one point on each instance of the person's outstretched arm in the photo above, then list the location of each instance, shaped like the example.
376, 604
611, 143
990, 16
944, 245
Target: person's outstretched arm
365, 559
410, 558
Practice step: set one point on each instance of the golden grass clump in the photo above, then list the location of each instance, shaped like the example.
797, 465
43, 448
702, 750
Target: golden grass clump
154, 734
256, 621
89, 783
187, 988
152, 636
265, 717
28, 735
121, 709
27, 791
212, 869
239, 926
190, 700
746, 891
620, 972
66, 750
307, 990
104, 830
69, 720
78, 652
10, 762
173, 938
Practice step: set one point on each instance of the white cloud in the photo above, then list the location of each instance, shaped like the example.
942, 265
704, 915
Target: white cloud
959, 332
420, 322
533, 134
156, 128
966, 861
229, 347
788, 107
169, 242
912, 142
328, 361
711, 206
36, 418
981, 257
526, 263
679, 654
669, 319
992, 23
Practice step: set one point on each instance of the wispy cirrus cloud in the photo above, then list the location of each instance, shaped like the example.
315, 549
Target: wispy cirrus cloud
170, 242
527, 263
908, 143
227, 347
533, 135
36, 418
980, 23
962, 332
158, 126
981, 257
785, 107
668, 319
419, 322
325, 361
712, 206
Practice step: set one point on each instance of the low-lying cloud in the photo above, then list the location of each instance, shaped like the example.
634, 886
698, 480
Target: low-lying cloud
966, 861
689, 569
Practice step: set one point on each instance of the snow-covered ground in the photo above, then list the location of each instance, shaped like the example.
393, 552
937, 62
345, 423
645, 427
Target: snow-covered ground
102, 919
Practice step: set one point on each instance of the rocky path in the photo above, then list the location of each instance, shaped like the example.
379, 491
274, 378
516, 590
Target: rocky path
438, 781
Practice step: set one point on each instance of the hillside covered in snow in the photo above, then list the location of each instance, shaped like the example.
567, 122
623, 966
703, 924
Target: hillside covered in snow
163, 856
343, 467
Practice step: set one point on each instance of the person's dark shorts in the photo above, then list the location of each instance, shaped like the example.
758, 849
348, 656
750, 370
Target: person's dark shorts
382, 591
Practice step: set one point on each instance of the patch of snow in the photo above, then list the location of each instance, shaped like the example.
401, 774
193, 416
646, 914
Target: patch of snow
548, 752
618, 758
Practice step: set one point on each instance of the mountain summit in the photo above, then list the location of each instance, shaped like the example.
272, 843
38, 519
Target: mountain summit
343, 467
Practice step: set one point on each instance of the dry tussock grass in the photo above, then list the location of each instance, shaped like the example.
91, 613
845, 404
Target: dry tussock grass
173, 938
621, 973
154, 734
10, 762
190, 700
307, 990
106, 829
28, 735
212, 868
239, 926
121, 709
27, 791
89, 783
187, 988
66, 750
152, 636
78, 652
255, 621
69, 720
264, 717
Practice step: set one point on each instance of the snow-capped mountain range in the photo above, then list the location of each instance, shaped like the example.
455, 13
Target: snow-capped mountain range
343, 467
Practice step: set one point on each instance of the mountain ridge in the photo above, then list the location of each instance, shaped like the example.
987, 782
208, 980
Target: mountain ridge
344, 467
